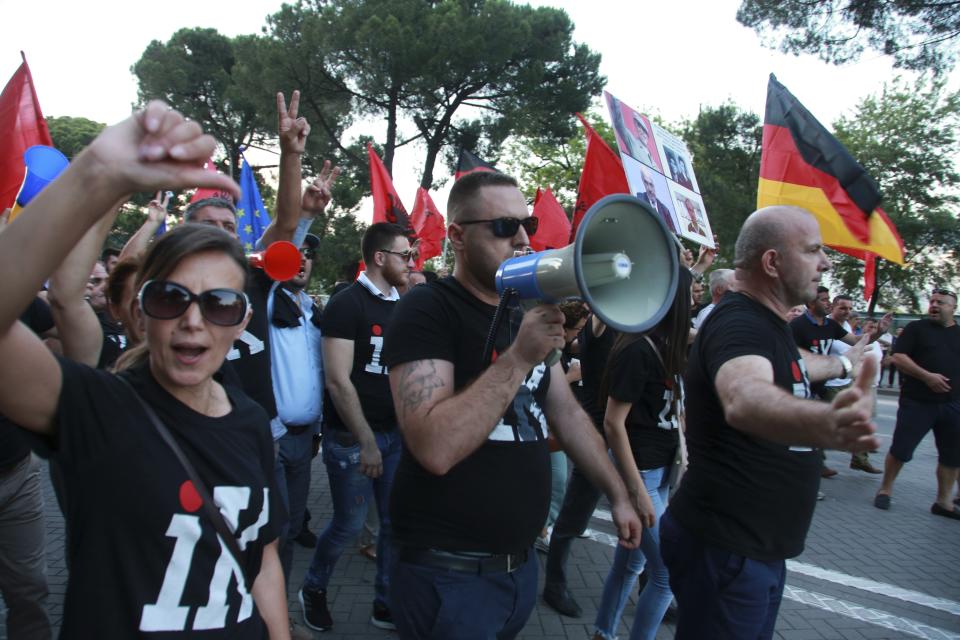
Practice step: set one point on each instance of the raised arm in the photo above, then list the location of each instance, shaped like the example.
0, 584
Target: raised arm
293, 132
440, 427
79, 329
156, 213
754, 404
152, 148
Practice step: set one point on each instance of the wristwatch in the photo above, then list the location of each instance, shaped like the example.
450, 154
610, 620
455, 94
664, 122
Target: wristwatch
847, 365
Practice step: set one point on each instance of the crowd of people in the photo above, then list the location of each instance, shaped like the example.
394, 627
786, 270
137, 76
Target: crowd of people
181, 397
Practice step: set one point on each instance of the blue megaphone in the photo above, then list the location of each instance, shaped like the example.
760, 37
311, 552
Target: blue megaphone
43, 165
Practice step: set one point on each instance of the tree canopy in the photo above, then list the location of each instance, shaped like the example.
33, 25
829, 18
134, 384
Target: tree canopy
70, 135
917, 35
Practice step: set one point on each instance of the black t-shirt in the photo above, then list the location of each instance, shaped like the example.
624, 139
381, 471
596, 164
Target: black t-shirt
143, 555
636, 376
496, 499
935, 348
114, 341
594, 353
250, 354
13, 446
357, 314
742, 493
816, 338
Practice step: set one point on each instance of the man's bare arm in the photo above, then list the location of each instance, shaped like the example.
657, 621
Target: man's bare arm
754, 404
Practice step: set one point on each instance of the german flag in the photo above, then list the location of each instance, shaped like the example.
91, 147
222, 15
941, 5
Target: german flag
803, 165
469, 162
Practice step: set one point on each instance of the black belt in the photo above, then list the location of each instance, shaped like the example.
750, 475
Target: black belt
467, 563
297, 429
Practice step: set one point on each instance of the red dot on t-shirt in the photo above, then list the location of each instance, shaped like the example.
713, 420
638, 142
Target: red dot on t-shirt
376, 329
795, 368
189, 498
493, 358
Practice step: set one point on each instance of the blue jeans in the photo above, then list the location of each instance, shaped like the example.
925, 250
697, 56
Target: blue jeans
627, 564
441, 604
292, 471
720, 594
351, 492
558, 484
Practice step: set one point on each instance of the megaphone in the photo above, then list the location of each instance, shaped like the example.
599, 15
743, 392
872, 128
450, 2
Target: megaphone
43, 165
280, 261
623, 263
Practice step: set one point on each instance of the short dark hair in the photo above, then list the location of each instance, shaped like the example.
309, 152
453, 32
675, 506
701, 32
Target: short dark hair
465, 189
379, 236
822, 289
216, 201
842, 296
107, 252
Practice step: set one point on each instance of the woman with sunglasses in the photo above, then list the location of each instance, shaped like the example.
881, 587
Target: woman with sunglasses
144, 552
643, 398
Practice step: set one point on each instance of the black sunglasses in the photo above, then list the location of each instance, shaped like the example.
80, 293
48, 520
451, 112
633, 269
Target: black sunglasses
167, 300
405, 255
944, 292
508, 227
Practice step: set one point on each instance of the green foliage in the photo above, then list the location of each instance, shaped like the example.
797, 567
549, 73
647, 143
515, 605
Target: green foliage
906, 138
70, 135
536, 162
725, 142
918, 35
339, 249
193, 72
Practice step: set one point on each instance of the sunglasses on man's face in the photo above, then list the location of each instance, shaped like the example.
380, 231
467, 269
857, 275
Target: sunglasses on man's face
508, 227
404, 255
168, 300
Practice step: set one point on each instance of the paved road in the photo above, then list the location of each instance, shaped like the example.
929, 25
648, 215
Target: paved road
865, 573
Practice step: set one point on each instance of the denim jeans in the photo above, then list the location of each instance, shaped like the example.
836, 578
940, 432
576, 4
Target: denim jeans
558, 484
351, 492
292, 472
578, 504
720, 594
627, 564
442, 604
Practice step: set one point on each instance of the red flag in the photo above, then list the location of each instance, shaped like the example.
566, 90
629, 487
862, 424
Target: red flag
22, 126
554, 229
602, 174
386, 203
203, 194
869, 276
428, 223
468, 163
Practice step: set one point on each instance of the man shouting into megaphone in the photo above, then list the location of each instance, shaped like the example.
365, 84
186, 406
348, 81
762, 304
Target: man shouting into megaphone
473, 485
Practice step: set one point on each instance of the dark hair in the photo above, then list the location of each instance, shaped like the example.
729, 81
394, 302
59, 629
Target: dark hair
670, 335
166, 253
465, 189
121, 274
216, 201
573, 312
822, 289
107, 252
842, 296
379, 236
431, 276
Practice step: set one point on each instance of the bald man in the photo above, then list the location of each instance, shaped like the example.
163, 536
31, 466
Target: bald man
753, 432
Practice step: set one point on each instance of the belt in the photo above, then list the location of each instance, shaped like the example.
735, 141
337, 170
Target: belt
297, 429
464, 562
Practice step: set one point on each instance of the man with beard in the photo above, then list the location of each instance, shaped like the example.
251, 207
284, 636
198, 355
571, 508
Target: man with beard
473, 487
361, 443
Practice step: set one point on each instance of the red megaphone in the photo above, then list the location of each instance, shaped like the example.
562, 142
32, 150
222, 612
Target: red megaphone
281, 260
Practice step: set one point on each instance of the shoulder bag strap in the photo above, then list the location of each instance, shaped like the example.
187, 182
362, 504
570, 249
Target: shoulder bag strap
209, 506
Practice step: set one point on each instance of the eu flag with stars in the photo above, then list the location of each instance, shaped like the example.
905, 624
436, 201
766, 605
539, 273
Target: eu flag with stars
252, 216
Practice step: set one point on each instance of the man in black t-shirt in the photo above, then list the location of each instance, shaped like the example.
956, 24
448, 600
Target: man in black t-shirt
361, 443
927, 354
747, 499
473, 486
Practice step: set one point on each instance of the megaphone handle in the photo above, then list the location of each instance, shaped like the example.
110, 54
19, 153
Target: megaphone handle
554, 356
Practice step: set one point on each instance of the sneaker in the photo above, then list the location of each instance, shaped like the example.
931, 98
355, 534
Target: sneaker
821, 495
381, 617
306, 538
560, 598
316, 615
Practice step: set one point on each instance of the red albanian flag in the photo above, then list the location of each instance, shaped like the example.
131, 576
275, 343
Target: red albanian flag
602, 175
554, 229
429, 225
21, 126
386, 203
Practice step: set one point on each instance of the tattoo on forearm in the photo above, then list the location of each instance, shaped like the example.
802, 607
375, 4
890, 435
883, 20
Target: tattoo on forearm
417, 383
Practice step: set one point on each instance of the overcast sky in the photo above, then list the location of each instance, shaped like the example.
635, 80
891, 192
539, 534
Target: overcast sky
665, 58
